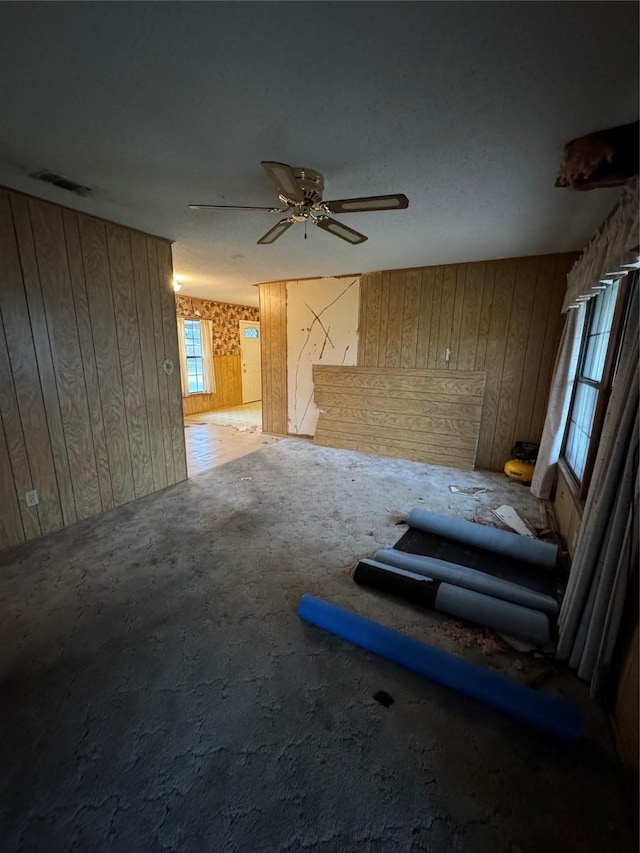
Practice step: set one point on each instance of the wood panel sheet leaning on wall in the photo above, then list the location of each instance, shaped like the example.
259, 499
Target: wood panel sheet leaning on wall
89, 418
428, 416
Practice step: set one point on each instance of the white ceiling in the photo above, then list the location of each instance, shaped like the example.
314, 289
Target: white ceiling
465, 107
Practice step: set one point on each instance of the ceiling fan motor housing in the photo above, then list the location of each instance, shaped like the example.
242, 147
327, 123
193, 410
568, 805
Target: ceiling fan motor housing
311, 183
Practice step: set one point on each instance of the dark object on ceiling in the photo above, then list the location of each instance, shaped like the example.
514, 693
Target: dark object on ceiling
301, 189
606, 158
61, 181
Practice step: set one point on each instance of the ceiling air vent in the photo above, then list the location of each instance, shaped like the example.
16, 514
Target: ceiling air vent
60, 181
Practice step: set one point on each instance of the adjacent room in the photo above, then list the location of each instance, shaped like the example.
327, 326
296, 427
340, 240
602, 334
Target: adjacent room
220, 378
319, 427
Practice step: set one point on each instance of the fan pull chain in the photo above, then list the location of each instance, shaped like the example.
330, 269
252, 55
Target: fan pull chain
305, 229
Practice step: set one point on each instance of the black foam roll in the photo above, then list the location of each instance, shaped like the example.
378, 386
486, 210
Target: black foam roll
412, 587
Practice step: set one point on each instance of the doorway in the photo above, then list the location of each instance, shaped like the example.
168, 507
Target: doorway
250, 361
228, 432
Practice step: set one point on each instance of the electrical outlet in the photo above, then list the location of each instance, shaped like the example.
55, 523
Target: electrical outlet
31, 498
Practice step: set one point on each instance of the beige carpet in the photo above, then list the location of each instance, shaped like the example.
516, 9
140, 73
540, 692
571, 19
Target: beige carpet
158, 692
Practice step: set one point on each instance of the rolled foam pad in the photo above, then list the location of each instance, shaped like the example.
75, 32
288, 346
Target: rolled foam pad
469, 579
517, 700
513, 619
512, 545
409, 585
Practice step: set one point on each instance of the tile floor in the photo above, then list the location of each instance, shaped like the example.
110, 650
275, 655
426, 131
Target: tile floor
214, 438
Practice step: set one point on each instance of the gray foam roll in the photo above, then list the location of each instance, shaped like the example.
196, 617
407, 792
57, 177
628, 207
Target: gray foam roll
512, 619
469, 579
523, 548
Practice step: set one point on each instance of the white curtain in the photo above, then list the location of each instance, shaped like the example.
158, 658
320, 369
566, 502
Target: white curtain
606, 552
183, 357
558, 407
206, 340
611, 252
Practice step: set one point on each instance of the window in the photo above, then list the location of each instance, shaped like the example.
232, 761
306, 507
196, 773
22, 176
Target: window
250, 333
593, 382
193, 355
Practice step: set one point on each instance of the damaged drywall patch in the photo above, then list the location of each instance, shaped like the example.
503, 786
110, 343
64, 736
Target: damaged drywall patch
322, 328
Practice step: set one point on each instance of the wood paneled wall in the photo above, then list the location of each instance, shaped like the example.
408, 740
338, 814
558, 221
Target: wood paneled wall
89, 418
273, 349
228, 373
568, 510
428, 416
502, 317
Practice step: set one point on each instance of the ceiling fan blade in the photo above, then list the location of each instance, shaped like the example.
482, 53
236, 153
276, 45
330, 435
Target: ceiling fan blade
340, 230
233, 207
277, 231
284, 180
372, 202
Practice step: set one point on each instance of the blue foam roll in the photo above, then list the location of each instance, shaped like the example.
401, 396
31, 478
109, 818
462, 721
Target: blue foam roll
539, 710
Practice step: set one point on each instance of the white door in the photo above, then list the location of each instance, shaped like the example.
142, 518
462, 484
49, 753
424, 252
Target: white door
251, 368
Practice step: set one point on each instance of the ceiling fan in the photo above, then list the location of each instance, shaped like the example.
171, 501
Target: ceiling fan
300, 189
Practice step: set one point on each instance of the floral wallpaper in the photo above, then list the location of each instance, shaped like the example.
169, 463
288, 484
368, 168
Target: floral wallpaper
225, 316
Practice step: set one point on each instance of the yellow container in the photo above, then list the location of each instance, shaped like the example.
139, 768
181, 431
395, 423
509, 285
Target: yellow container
518, 470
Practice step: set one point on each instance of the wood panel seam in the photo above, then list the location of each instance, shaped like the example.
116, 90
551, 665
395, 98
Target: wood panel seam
22, 429
82, 364
20, 415
144, 379
48, 346
126, 414
18, 515
98, 389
